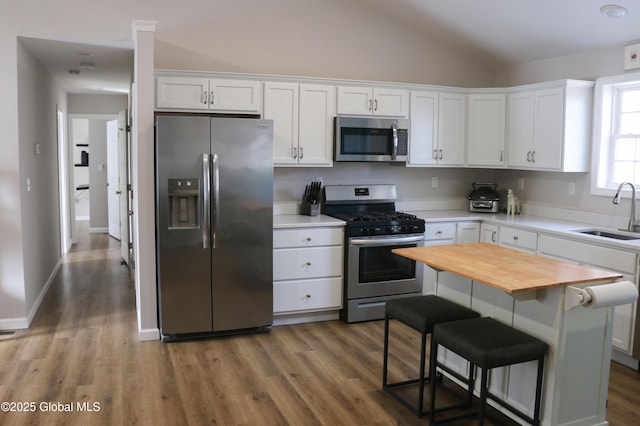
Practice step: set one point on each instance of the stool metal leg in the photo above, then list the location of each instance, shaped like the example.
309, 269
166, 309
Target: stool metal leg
433, 360
484, 390
536, 410
421, 382
386, 352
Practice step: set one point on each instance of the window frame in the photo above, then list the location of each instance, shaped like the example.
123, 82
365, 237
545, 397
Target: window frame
604, 112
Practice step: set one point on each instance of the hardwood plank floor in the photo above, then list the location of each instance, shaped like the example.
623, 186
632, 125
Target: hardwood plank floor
82, 348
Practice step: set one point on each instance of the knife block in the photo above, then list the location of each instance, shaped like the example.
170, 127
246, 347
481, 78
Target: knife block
309, 209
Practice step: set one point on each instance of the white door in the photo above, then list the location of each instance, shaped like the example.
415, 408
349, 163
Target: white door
123, 165
113, 179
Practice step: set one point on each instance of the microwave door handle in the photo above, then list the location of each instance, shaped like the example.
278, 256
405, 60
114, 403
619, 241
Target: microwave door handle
394, 132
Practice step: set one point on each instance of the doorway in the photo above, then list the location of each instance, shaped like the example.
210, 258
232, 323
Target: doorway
99, 176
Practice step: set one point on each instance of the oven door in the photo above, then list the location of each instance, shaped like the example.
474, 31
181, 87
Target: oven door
372, 270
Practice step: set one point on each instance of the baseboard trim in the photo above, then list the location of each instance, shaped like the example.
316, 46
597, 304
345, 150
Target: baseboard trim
148, 334
98, 230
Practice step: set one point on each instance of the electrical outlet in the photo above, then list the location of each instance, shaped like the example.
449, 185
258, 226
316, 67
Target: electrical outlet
572, 188
521, 184
318, 179
434, 182
632, 56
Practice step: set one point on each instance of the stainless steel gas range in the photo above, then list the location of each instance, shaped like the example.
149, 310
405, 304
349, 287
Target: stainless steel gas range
372, 273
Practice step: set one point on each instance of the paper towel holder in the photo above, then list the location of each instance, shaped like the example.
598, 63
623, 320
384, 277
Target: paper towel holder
575, 296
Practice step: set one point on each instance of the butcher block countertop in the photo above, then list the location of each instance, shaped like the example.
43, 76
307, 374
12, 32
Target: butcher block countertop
509, 270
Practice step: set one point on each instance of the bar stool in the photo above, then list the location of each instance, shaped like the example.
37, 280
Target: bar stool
487, 343
420, 313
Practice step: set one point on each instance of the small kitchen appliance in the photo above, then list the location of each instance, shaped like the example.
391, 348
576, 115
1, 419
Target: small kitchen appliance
373, 274
371, 139
484, 198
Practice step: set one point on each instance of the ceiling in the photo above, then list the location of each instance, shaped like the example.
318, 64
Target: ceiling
497, 32
508, 32
111, 73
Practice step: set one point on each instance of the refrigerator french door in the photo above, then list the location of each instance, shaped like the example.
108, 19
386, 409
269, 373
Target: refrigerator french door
214, 220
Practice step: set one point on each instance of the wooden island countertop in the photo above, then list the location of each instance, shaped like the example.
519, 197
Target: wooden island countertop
509, 270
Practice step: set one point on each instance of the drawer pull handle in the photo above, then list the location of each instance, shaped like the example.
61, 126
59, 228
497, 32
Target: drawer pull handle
308, 263
515, 237
308, 238
308, 296
439, 233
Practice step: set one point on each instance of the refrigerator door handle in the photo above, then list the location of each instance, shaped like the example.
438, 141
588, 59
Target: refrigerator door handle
206, 201
216, 199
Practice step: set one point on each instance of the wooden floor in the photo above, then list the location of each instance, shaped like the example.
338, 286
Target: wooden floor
82, 352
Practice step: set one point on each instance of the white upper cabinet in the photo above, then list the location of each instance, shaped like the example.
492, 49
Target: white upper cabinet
486, 128
437, 125
423, 134
549, 126
303, 123
191, 93
378, 101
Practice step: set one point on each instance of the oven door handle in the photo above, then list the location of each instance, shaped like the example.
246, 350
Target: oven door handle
386, 241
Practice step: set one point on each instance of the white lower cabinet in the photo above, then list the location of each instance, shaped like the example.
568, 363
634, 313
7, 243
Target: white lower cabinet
307, 270
518, 239
621, 261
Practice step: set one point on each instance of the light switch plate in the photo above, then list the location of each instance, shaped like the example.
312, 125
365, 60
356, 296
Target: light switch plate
632, 56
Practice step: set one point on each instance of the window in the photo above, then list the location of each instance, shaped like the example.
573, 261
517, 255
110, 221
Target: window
616, 147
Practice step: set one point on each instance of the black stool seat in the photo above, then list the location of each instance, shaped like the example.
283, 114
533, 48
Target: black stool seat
420, 313
488, 343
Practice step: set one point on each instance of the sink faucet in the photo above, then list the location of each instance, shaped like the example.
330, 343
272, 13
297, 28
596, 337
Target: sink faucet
633, 223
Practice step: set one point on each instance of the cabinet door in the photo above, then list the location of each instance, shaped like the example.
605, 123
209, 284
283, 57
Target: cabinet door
451, 128
488, 233
486, 129
235, 95
281, 106
467, 232
182, 93
355, 100
317, 110
424, 129
520, 133
390, 102
548, 129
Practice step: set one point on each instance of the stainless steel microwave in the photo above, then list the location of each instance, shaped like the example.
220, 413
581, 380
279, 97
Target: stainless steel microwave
371, 139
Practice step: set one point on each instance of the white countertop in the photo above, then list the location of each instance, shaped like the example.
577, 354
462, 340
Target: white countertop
562, 228
547, 225
301, 221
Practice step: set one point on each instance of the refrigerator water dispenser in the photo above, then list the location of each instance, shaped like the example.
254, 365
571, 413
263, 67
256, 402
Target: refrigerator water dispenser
183, 203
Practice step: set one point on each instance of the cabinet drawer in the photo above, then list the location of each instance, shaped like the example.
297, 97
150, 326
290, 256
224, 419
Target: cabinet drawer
603, 257
308, 237
291, 296
517, 238
314, 262
440, 231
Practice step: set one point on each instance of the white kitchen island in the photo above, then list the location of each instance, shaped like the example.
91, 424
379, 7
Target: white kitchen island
528, 292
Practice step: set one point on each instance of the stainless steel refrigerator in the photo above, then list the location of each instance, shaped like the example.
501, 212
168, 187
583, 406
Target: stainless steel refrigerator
214, 224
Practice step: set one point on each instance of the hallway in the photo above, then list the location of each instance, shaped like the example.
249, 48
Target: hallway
80, 363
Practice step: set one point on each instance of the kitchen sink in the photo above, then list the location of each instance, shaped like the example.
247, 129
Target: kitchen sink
609, 234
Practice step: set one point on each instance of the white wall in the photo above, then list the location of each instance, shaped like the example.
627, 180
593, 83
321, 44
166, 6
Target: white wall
35, 239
